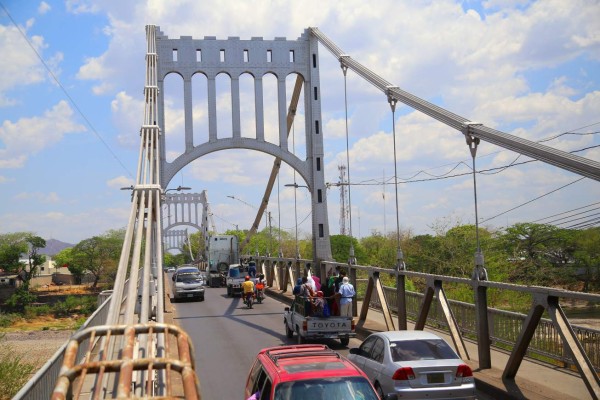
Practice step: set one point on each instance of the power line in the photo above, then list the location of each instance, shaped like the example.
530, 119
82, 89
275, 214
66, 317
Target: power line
532, 200
71, 100
565, 212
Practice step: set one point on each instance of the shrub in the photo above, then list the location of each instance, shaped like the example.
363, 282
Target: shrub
21, 298
7, 320
75, 304
35, 311
14, 372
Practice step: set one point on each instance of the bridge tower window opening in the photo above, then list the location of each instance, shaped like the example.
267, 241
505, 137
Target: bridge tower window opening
222, 55
269, 56
246, 56
292, 56
224, 106
270, 107
314, 60
198, 55
199, 108
247, 106
318, 163
317, 127
320, 195
174, 125
316, 93
174, 55
321, 230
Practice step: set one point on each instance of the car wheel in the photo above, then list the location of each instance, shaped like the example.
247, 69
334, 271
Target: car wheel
344, 341
288, 332
379, 391
300, 337
228, 291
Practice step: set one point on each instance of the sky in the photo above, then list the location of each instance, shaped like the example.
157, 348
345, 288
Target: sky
71, 108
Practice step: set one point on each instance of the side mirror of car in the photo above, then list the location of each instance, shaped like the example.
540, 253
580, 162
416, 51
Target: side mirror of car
173, 278
355, 350
287, 309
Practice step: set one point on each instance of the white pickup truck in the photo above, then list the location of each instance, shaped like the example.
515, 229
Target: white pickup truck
236, 275
309, 327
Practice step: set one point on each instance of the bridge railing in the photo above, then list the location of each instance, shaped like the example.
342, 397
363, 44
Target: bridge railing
505, 326
521, 335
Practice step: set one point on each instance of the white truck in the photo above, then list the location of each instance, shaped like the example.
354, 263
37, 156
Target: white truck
307, 327
221, 252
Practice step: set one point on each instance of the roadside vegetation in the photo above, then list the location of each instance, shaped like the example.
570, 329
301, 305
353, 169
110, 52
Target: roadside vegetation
14, 371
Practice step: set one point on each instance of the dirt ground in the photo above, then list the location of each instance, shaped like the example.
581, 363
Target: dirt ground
35, 347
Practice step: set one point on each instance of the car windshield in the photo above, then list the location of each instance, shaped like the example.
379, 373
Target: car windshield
355, 388
414, 350
189, 277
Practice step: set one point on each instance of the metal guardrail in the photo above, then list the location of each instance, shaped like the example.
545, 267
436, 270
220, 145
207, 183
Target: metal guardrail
504, 326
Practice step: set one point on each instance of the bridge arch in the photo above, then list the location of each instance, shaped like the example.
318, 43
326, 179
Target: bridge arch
259, 58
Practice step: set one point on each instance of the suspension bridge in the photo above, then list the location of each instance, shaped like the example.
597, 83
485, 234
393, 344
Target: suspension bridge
128, 348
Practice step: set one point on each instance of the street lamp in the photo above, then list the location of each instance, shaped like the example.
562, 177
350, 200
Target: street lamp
296, 186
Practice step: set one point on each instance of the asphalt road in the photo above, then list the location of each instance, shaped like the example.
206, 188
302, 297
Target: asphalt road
227, 336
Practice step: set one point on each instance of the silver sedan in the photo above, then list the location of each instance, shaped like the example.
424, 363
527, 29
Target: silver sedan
413, 365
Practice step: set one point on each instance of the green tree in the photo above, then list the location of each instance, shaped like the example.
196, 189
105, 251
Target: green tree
99, 255
340, 247
587, 258
66, 258
35, 243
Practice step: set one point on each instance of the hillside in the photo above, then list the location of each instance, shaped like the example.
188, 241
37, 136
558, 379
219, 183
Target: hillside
54, 246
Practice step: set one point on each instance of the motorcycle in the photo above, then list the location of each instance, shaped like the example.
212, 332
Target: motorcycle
248, 299
260, 294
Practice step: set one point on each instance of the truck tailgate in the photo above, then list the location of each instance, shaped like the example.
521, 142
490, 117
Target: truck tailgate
330, 325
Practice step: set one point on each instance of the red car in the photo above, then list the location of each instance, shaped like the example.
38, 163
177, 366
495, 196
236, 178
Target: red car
309, 371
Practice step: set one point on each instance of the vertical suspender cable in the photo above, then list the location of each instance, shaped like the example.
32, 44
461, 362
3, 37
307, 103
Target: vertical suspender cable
399, 257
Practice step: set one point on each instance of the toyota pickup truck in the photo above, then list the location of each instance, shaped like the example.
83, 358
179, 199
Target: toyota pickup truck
298, 320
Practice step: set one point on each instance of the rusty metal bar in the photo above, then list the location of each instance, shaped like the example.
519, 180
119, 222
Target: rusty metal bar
457, 338
125, 364
482, 326
387, 315
366, 301
425, 306
401, 302
520, 349
585, 367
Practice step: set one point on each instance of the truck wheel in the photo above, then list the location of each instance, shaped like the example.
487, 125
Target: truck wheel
344, 341
300, 337
288, 332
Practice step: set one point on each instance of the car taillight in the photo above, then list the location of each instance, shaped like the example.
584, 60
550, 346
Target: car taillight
463, 371
304, 325
353, 326
404, 374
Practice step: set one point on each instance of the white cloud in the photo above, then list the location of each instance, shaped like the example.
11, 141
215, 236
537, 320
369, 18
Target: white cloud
43, 8
120, 182
47, 198
29, 136
24, 67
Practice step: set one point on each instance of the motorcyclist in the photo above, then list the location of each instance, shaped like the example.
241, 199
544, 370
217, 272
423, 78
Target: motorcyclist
248, 288
260, 286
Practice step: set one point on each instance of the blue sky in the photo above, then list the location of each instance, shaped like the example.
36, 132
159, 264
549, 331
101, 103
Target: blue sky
69, 126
